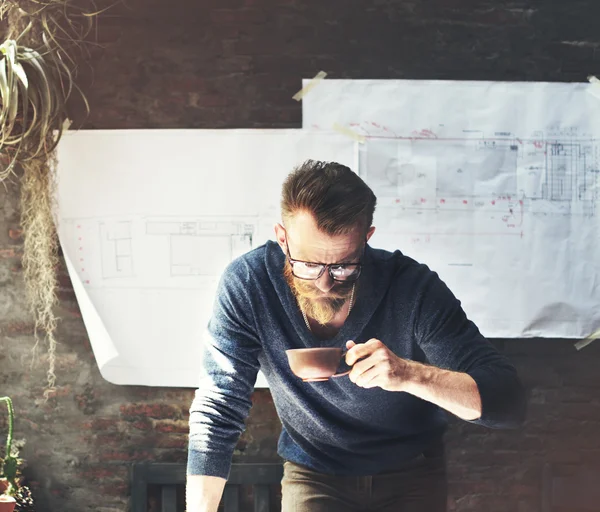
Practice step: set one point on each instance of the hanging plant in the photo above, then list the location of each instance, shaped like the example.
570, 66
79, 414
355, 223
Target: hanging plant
33, 104
36, 81
31, 120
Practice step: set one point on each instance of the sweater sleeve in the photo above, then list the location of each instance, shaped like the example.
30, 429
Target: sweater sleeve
451, 341
229, 366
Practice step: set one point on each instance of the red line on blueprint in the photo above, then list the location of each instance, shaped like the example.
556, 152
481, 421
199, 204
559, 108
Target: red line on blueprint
457, 234
504, 139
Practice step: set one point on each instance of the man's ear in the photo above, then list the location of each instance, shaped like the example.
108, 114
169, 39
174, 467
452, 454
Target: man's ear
280, 236
370, 232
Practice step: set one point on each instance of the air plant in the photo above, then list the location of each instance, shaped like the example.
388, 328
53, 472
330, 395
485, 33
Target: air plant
36, 81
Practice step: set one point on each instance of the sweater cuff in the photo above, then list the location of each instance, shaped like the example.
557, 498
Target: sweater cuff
209, 464
503, 401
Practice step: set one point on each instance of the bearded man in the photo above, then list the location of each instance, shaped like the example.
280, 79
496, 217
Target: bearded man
371, 441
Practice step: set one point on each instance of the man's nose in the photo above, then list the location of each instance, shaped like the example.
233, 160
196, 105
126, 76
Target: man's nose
325, 283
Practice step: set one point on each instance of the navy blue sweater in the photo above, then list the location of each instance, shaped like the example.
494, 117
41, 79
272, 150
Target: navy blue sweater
335, 426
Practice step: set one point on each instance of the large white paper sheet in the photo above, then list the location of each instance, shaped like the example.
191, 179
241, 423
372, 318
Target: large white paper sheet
495, 186
148, 219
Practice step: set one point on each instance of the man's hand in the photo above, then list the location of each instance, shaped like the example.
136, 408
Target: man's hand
375, 365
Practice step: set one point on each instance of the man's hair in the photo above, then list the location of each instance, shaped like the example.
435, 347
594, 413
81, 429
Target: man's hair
336, 196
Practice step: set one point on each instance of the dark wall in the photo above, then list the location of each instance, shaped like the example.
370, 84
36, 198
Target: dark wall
237, 63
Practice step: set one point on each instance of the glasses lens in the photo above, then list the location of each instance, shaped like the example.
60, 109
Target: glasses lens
306, 270
345, 272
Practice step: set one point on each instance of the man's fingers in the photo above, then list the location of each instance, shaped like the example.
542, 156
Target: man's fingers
362, 350
369, 378
358, 352
360, 368
350, 344
363, 365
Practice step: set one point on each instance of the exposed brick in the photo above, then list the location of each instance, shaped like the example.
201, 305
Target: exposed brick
166, 442
60, 391
172, 455
100, 424
15, 234
16, 328
156, 411
178, 427
114, 489
143, 424
86, 400
67, 362
8, 253
104, 472
126, 456
66, 295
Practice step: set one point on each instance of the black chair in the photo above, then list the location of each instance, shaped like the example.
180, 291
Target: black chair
169, 475
570, 488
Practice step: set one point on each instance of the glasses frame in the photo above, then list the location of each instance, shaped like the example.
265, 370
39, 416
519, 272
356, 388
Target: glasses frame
328, 266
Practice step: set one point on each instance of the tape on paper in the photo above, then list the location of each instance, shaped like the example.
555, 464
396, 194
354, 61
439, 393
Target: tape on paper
594, 88
349, 133
585, 342
309, 86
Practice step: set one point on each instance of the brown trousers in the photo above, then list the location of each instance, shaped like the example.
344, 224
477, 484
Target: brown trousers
420, 486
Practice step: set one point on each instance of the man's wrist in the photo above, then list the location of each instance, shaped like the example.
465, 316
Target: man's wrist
418, 376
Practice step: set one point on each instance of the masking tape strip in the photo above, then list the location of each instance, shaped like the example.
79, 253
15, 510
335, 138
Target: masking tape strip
309, 86
594, 89
584, 343
349, 133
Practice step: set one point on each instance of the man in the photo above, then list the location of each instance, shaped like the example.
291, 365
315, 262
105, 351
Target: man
369, 441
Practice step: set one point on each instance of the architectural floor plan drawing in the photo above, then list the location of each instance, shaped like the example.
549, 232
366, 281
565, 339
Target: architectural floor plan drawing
500, 181
199, 247
147, 235
114, 253
116, 250
495, 186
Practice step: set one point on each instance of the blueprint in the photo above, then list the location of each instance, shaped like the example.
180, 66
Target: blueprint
149, 219
495, 186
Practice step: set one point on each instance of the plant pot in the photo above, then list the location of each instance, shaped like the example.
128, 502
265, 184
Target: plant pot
7, 503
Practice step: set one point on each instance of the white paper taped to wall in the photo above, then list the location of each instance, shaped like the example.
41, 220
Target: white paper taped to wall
594, 88
148, 219
494, 185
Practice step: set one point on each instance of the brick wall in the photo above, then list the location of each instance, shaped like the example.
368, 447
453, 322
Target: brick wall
236, 63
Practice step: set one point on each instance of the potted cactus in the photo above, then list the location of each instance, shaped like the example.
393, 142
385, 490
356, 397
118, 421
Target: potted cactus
7, 503
13, 495
8, 468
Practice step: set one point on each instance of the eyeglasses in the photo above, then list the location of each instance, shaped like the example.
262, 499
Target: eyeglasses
346, 272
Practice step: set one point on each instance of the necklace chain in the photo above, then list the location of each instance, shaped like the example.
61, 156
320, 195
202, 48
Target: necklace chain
350, 304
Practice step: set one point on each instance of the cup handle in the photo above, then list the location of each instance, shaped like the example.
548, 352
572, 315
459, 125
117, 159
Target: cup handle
343, 373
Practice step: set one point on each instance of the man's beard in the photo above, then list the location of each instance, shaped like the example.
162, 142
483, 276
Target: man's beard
316, 304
